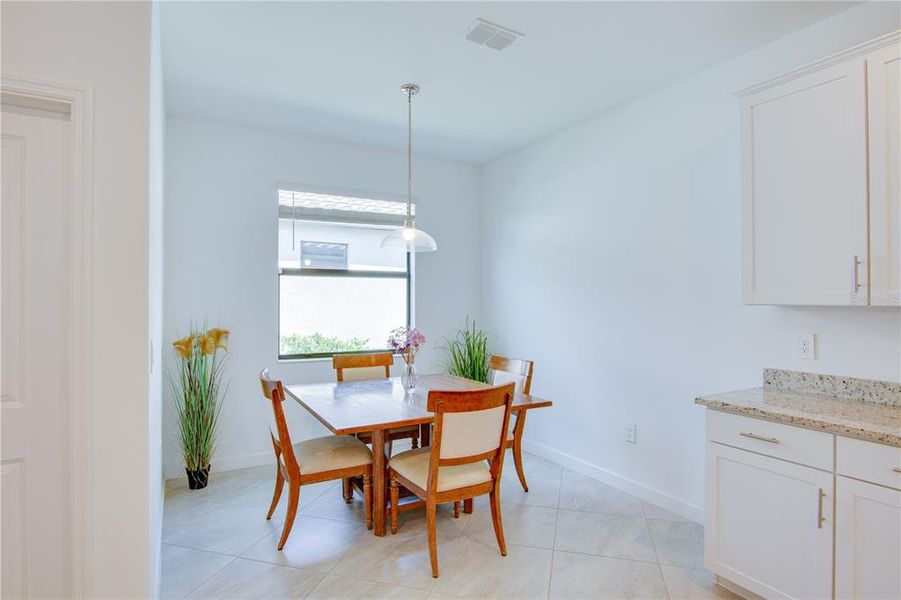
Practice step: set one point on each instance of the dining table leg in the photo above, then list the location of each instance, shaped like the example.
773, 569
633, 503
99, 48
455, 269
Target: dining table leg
378, 482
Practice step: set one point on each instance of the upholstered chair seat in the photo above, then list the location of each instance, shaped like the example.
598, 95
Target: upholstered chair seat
332, 452
414, 465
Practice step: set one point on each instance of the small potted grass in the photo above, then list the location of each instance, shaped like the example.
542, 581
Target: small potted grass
467, 353
201, 358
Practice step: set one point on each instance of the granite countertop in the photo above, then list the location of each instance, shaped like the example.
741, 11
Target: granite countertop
858, 408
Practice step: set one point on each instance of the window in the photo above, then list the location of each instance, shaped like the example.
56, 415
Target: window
339, 291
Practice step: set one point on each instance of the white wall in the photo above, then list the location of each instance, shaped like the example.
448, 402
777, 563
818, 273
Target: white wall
612, 258
106, 47
221, 253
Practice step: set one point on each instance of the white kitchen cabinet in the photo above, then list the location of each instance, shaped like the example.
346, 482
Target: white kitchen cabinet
884, 98
867, 540
773, 524
820, 215
769, 524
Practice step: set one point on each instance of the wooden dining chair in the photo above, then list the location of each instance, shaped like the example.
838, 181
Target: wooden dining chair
360, 367
469, 429
505, 370
312, 461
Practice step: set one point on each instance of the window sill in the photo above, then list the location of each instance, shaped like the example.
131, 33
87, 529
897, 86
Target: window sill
306, 360
313, 359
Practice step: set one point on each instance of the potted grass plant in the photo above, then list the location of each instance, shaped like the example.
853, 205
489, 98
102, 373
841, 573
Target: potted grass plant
467, 353
197, 384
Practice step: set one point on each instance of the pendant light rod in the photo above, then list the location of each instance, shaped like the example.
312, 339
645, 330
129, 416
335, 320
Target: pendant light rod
410, 89
408, 238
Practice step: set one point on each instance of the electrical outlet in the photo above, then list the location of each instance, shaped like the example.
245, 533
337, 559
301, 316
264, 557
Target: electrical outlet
631, 430
807, 348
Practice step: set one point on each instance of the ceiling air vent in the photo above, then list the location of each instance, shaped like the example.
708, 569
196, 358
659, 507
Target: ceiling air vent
489, 34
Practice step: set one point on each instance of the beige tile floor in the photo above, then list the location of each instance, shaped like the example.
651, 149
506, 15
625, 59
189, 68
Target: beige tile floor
569, 537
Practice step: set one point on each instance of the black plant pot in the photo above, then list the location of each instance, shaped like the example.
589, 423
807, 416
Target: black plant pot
197, 480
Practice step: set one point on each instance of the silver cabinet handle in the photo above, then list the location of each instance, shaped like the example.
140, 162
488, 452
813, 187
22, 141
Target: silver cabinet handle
855, 276
754, 436
820, 518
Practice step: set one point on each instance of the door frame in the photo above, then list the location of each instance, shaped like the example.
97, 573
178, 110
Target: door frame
77, 102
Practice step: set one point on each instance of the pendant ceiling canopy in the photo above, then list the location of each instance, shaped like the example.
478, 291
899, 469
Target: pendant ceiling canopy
408, 238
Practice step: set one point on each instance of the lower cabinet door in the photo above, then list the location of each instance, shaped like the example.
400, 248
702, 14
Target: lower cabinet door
867, 540
769, 524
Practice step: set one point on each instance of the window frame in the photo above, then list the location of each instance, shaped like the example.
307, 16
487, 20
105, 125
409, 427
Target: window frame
407, 274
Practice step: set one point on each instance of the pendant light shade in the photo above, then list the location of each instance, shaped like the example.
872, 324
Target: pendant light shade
408, 238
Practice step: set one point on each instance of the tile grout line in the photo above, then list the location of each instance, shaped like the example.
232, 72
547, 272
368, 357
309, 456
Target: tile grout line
656, 554
550, 578
200, 550
199, 585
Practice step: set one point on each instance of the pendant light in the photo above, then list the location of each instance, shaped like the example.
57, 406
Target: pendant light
409, 238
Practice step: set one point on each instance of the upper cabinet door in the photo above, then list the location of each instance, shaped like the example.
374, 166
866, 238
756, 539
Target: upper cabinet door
884, 96
805, 189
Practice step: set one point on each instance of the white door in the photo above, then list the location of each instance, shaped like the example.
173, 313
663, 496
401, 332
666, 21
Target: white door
805, 189
34, 345
867, 540
884, 97
769, 524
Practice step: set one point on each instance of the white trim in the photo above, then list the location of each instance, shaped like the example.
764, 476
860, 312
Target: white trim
221, 465
79, 100
620, 482
859, 50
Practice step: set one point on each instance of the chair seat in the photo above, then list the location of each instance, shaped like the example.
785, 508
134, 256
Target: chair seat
414, 465
330, 453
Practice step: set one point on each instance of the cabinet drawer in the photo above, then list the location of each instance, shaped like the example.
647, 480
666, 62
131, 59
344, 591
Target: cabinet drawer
803, 446
872, 462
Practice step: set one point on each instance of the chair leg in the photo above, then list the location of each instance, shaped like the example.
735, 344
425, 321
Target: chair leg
279, 484
293, 500
467, 506
367, 499
457, 504
517, 449
415, 441
430, 510
395, 509
495, 502
347, 489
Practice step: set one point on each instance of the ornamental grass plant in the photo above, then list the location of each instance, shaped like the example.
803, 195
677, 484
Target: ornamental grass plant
197, 388
467, 353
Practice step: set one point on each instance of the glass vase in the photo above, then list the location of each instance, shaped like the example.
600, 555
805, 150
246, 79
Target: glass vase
408, 376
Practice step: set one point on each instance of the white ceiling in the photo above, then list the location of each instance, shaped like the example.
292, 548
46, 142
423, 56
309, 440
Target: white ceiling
334, 69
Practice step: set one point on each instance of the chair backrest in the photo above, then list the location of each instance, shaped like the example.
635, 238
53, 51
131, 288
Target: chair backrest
504, 370
281, 439
355, 367
470, 426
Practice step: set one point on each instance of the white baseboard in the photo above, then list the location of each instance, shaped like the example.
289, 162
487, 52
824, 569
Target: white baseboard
230, 463
648, 494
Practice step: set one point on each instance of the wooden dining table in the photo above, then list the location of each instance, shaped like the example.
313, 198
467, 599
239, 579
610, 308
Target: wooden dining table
378, 405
